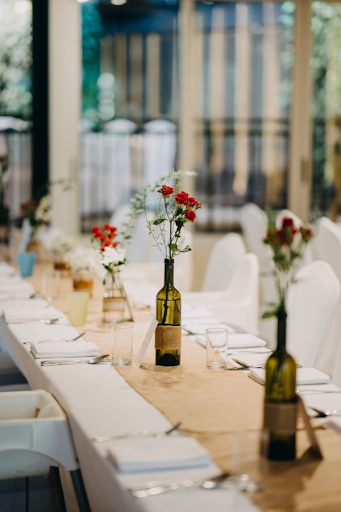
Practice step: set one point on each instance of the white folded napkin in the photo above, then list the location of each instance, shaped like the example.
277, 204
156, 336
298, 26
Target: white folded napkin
11, 279
238, 341
304, 376
6, 269
156, 454
188, 313
60, 349
199, 327
323, 402
15, 288
13, 315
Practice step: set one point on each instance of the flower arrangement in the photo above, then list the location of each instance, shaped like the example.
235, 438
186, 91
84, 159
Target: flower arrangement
111, 256
174, 209
288, 244
60, 243
82, 259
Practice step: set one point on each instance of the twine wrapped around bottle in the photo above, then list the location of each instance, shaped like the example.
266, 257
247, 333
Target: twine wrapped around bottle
168, 337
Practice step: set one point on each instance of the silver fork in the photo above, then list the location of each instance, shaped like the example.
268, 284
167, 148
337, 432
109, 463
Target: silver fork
48, 321
141, 433
154, 490
325, 414
52, 340
93, 360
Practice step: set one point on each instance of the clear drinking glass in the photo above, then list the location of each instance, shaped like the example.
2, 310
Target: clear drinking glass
122, 344
50, 285
216, 348
248, 466
77, 303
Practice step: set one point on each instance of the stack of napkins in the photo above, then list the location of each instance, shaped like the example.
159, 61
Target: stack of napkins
60, 349
156, 454
238, 341
304, 376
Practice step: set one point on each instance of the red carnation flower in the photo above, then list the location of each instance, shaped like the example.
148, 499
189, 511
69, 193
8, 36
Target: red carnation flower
182, 198
192, 202
288, 222
115, 244
165, 190
106, 227
113, 229
306, 233
112, 235
190, 215
95, 229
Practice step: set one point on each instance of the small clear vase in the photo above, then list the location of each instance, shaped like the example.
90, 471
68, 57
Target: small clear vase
114, 298
83, 281
60, 263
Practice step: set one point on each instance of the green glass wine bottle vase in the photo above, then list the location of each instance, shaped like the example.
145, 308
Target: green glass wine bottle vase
168, 315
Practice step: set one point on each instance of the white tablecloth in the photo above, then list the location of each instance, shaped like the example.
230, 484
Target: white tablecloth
99, 402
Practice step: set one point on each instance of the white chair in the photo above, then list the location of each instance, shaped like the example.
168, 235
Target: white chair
253, 221
120, 216
159, 148
326, 246
117, 162
239, 303
224, 257
311, 306
34, 436
254, 225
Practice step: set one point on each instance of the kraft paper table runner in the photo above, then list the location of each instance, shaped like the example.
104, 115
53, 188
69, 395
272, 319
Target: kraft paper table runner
212, 404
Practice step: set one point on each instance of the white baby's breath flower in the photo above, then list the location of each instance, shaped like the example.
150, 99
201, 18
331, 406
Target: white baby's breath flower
82, 258
112, 257
59, 243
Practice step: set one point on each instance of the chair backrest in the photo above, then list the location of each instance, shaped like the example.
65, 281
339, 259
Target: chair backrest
245, 280
159, 148
138, 248
34, 435
120, 126
119, 217
311, 306
254, 224
222, 263
326, 246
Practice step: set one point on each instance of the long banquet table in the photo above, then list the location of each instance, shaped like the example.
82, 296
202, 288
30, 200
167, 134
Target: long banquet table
211, 406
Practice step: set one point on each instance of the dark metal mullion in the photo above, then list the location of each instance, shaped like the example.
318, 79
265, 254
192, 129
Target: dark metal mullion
40, 97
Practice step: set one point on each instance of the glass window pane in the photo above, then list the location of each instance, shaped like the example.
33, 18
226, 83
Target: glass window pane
244, 57
326, 107
130, 101
16, 100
